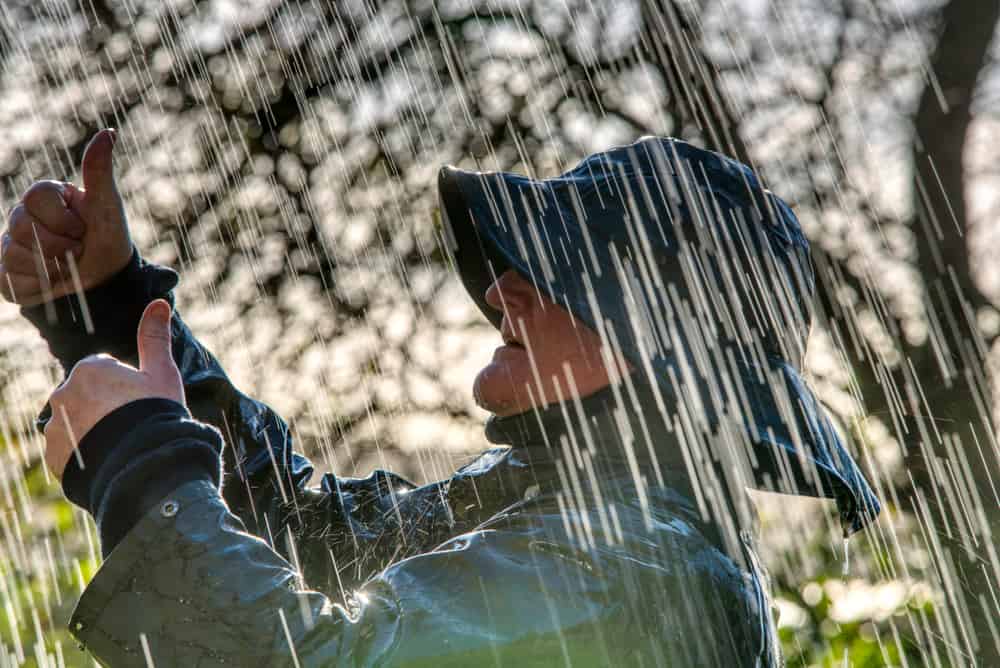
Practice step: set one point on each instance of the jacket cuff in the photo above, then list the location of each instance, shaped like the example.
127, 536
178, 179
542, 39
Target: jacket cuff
106, 318
133, 457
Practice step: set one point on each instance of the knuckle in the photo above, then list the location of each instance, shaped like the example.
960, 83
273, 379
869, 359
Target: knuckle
17, 260
81, 369
92, 365
57, 396
10, 249
55, 423
31, 196
19, 224
6, 281
87, 368
40, 192
16, 211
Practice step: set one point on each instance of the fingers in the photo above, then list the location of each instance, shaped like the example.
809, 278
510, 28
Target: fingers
87, 370
32, 257
46, 202
156, 358
96, 386
60, 441
30, 289
57, 442
74, 197
98, 166
153, 338
61, 436
20, 288
21, 259
31, 231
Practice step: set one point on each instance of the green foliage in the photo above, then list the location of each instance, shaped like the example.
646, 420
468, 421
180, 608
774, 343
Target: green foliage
818, 640
46, 557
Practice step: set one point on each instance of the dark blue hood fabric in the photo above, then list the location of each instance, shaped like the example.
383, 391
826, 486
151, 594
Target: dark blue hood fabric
694, 273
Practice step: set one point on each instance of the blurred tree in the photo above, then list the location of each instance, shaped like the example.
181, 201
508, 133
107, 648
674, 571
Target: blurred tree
283, 154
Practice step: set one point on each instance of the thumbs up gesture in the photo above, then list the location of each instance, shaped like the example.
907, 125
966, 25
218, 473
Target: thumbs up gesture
57, 228
99, 384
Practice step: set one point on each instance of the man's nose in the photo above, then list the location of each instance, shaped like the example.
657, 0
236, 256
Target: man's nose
493, 296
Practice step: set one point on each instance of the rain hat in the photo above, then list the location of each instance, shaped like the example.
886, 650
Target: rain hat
698, 276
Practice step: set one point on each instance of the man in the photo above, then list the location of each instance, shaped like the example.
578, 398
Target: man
653, 305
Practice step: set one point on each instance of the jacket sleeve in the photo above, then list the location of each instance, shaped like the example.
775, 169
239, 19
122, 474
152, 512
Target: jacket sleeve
189, 587
264, 478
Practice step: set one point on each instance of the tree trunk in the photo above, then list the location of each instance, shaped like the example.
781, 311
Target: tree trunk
951, 454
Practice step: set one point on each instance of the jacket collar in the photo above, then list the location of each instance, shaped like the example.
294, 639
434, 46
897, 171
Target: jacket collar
619, 429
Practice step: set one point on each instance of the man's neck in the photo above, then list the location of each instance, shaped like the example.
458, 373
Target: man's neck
619, 427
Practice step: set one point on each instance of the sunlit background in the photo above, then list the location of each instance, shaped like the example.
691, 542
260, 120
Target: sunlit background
282, 157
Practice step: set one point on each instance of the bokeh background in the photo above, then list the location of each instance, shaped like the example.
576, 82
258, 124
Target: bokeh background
282, 156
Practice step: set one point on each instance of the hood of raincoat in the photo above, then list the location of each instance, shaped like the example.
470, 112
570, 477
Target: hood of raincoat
698, 276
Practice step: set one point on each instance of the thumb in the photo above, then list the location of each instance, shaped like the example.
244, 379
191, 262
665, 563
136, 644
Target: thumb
98, 167
153, 339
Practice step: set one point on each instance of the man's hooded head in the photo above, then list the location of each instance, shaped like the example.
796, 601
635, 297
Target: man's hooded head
689, 273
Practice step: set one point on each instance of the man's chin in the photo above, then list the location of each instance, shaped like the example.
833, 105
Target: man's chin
494, 391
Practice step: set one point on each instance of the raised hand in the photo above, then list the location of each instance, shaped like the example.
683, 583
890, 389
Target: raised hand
57, 228
100, 383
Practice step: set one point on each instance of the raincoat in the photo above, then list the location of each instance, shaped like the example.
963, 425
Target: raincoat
612, 530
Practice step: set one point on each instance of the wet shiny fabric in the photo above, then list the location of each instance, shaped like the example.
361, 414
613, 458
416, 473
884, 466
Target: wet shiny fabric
519, 559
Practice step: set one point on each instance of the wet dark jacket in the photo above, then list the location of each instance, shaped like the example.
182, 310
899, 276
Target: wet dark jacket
559, 547
614, 530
